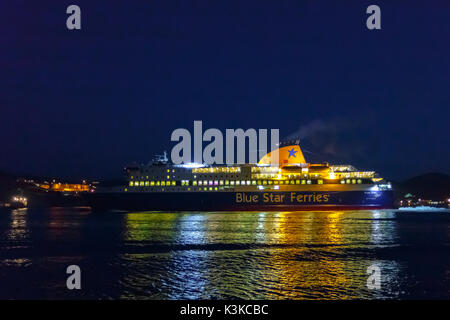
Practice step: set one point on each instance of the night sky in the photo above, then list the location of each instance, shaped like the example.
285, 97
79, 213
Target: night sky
85, 103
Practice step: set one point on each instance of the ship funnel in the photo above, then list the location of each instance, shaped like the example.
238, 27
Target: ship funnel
289, 153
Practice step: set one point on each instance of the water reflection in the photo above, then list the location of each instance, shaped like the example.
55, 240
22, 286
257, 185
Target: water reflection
383, 227
260, 255
15, 236
218, 255
18, 230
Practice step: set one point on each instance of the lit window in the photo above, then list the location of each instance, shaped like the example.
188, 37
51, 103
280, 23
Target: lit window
221, 182
254, 182
238, 182
131, 183
163, 183
348, 181
292, 182
194, 183
227, 182
216, 183
343, 181
308, 182
232, 183
320, 181
157, 183
248, 182
359, 181
174, 183
353, 181
147, 183
168, 170
142, 183
152, 183
297, 181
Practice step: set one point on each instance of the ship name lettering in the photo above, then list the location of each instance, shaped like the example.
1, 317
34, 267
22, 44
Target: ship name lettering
270, 197
299, 198
241, 197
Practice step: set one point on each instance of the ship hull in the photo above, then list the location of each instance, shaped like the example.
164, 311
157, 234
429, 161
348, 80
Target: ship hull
241, 201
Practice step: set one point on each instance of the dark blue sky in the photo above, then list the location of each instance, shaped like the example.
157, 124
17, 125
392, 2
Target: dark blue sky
85, 103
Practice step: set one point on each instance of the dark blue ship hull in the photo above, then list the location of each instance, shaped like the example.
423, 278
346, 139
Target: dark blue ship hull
241, 201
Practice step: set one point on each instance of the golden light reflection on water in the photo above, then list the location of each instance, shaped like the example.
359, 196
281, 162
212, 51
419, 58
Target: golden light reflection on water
18, 228
145, 226
298, 268
333, 227
262, 255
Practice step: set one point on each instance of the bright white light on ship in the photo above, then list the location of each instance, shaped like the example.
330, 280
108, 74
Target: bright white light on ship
260, 187
191, 165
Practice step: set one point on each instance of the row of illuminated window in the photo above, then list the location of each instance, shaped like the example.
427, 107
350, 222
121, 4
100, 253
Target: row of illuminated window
152, 183
174, 177
187, 189
330, 175
265, 169
356, 174
342, 168
351, 181
295, 176
284, 175
217, 170
234, 182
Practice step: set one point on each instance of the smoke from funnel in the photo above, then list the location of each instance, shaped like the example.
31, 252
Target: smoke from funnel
334, 139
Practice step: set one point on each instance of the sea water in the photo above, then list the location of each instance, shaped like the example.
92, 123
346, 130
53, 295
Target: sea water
224, 255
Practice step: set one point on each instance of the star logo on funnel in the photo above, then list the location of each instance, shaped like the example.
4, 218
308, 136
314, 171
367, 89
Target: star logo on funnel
292, 153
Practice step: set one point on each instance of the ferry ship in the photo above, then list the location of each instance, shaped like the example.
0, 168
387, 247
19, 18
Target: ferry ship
292, 184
